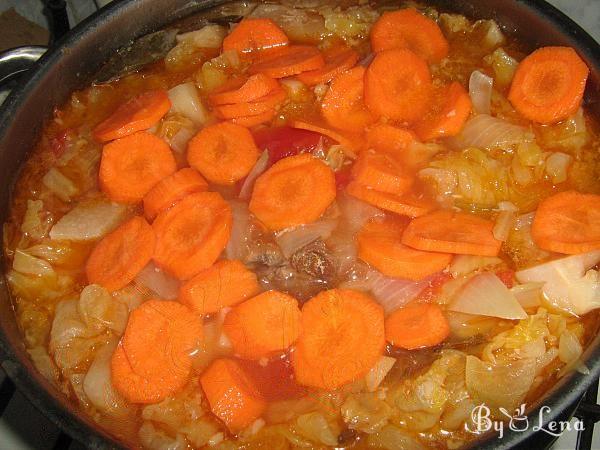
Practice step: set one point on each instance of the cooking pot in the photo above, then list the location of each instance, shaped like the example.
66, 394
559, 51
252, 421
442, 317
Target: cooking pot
73, 63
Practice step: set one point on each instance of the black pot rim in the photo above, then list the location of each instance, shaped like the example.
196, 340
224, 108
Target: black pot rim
37, 390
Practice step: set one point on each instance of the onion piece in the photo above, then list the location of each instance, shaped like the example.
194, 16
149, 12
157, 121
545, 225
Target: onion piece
557, 166
356, 212
185, 100
486, 295
487, 132
237, 245
528, 295
292, 240
569, 347
465, 264
158, 281
568, 283
60, 185
210, 36
394, 293
261, 165
30, 265
445, 179
179, 142
480, 91
378, 372
88, 221
503, 225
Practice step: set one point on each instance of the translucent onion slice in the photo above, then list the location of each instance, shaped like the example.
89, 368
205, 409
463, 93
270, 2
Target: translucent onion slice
480, 91
487, 132
185, 100
261, 165
294, 239
158, 281
378, 372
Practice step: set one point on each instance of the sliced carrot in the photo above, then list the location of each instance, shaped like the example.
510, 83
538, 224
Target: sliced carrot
132, 165
352, 142
226, 283
138, 389
407, 205
448, 117
342, 338
381, 172
389, 139
224, 153
251, 90
170, 190
255, 34
408, 28
232, 396
452, 232
191, 235
548, 85
417, 325
379, 244
294, 191
568, 222
343, 106
398, 85
160, 338
138, 114
288, 61
335, 63
263, 325
252, 121
121, 255
264, 104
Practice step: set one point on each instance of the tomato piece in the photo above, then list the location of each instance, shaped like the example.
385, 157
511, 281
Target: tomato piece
275, 380
343, 178
507, 277
285, 141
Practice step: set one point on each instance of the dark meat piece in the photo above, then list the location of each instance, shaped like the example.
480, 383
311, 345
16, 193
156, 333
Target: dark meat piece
314, 260
347, 438
286, 279
410, 362
265, 253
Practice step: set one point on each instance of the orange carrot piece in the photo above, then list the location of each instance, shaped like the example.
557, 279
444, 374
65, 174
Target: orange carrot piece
191, 235
251, 90
226, 283
224, 153
351, 142
264, 104
448, 117
160, 338
121, 255
138, 114
548, 85
132, 165
252, 121
568, 222
263, 325
255, 34
452, 232
137, 389
389, 139
381, 172
231, 394
288, 61
341, 340
294, 191
170, 190
343, 106
417, 325
398, 86
406, 205
408, 28
335, 63
379, 244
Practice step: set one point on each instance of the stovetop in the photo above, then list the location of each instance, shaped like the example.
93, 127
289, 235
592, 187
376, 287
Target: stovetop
22, 427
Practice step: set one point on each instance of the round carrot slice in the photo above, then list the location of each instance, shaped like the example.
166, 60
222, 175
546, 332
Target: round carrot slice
137, 389
226, 283
132, 165
288, 61
121, 255
389, 139
251, 90
408, 28
342, 338
262, 105
160, 338
548, 85
448, 116
170, 190
224, 153
191, 235
138, 114
294, 191
263, 325
452, 232
335, 63
379, 244
398, 85
343, 106
406, 205
417, 325
568, 222
232, 395
254, 34
381, 172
